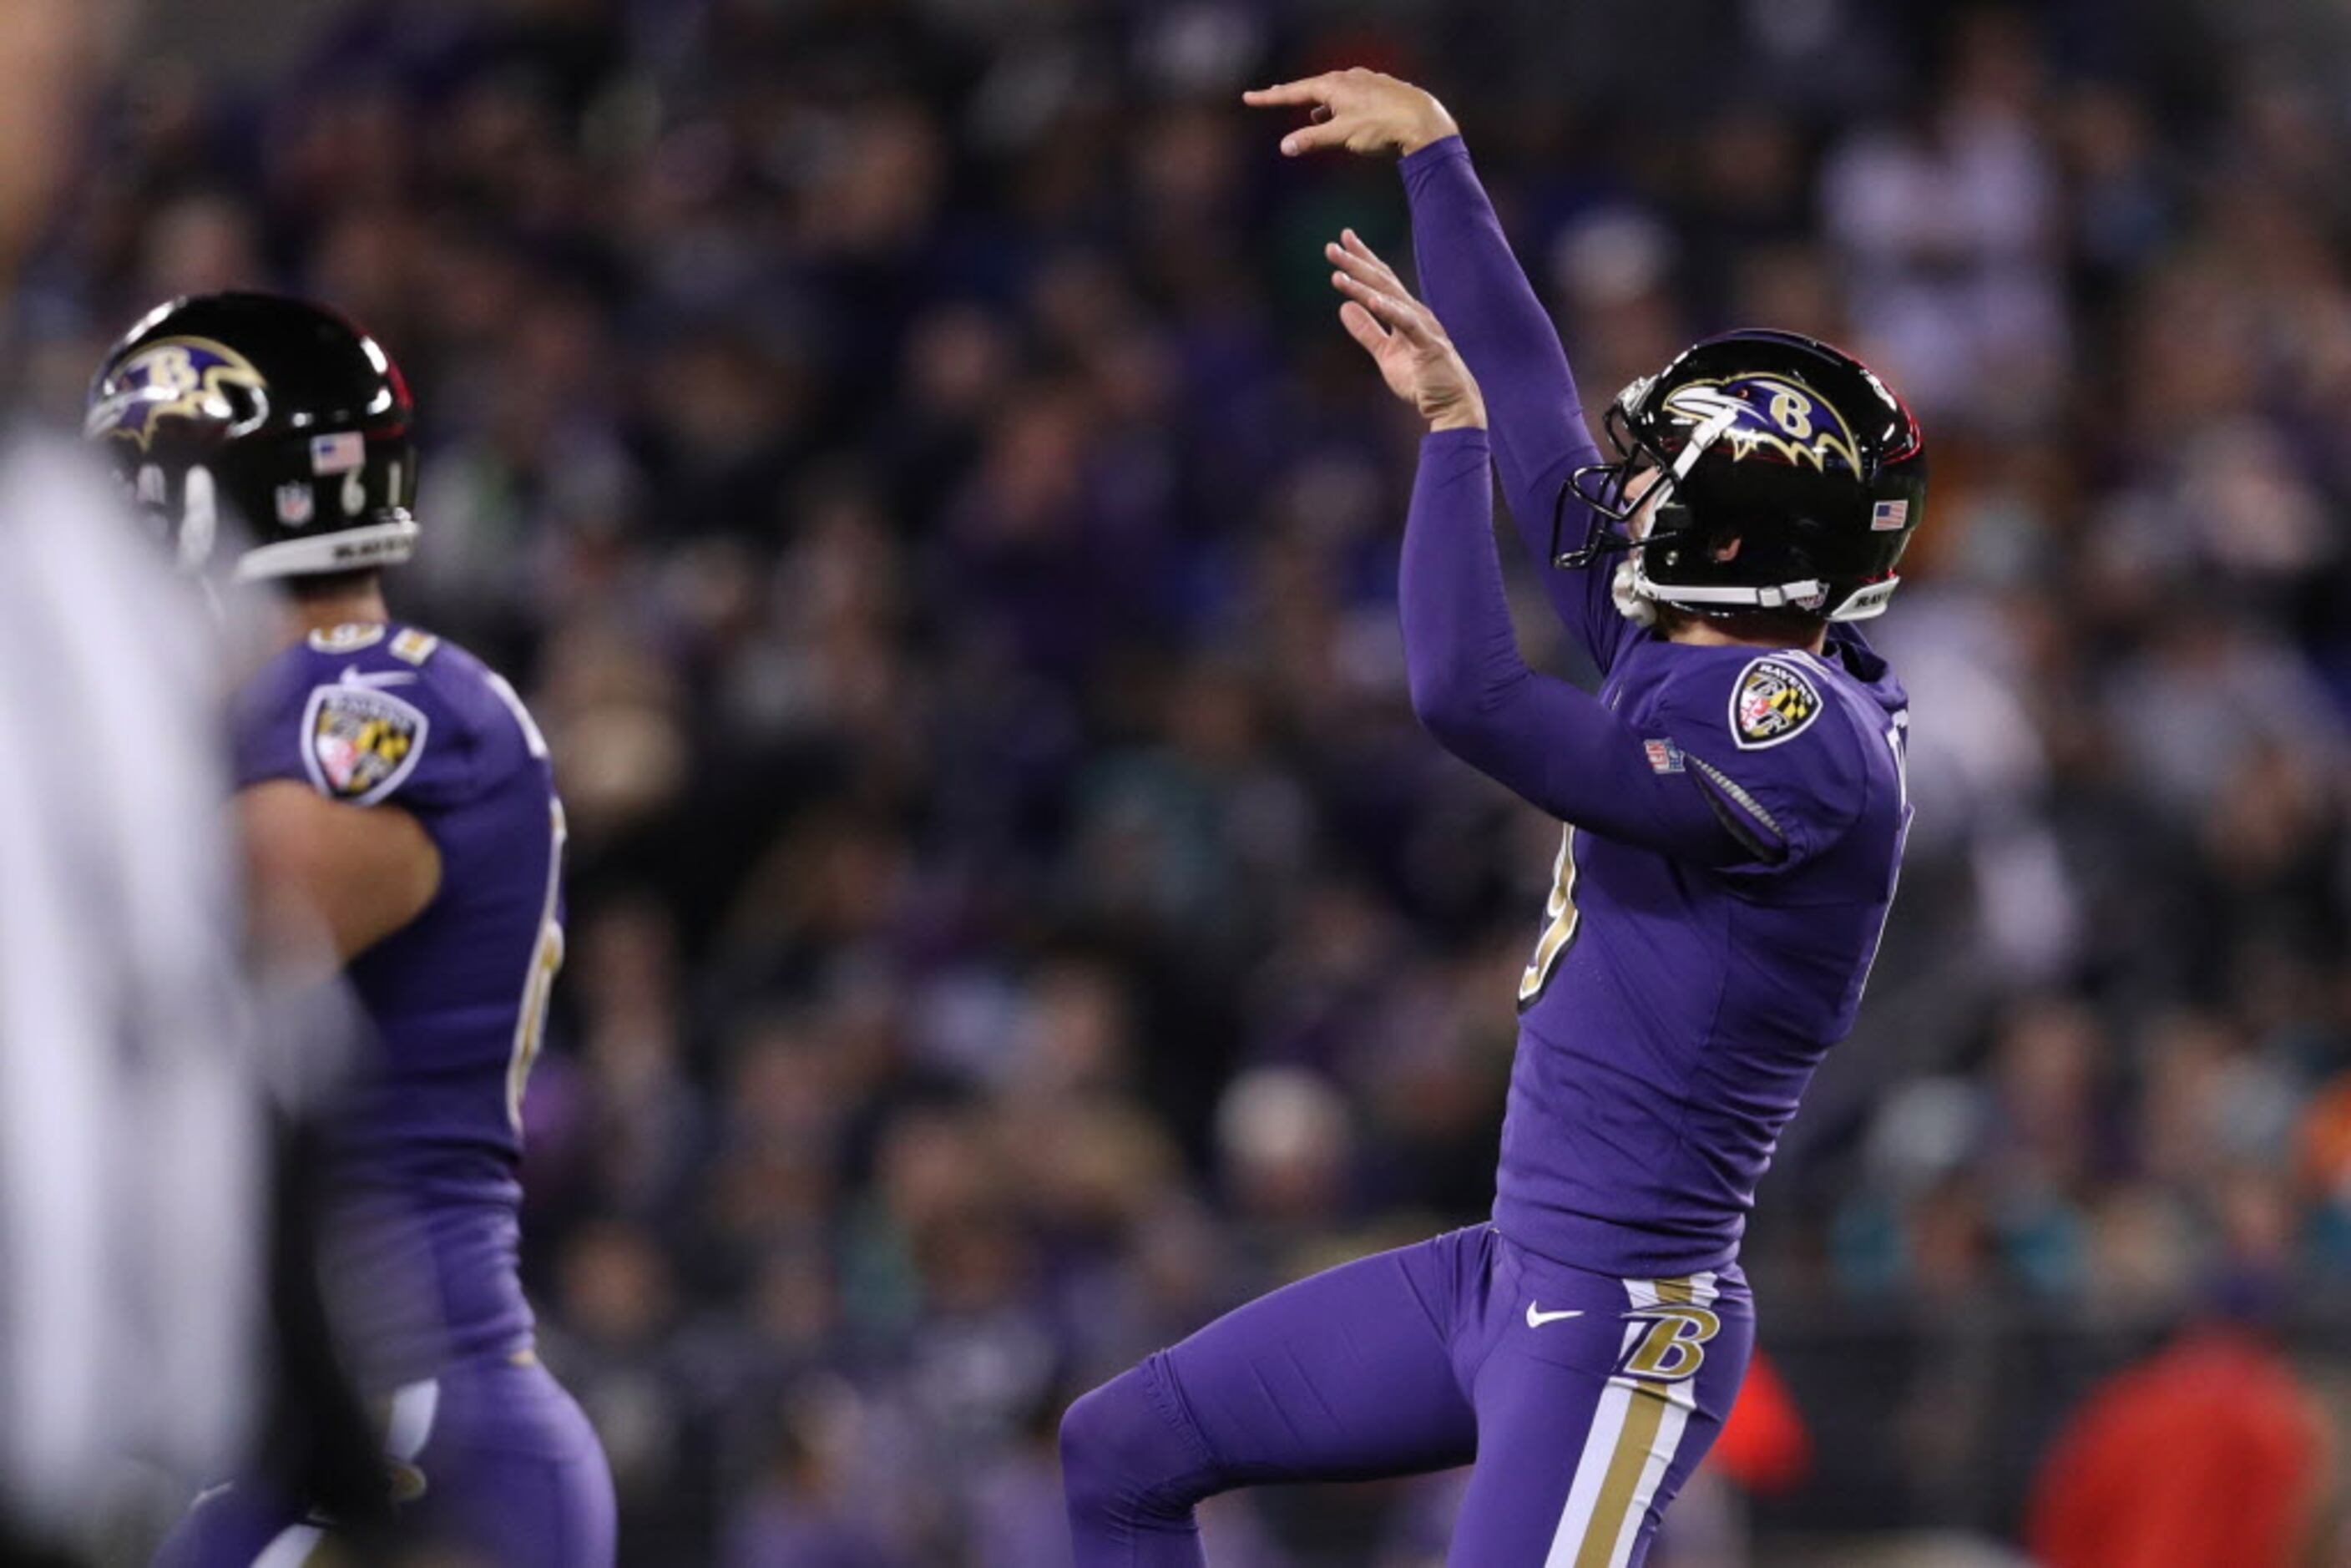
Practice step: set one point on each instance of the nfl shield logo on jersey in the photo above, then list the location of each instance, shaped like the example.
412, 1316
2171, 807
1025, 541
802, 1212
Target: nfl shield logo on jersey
1773, 702
359, 742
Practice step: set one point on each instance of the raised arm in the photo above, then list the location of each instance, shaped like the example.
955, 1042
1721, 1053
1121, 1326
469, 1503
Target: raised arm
1471, 279
1473, 282
1550, 744
1556, 746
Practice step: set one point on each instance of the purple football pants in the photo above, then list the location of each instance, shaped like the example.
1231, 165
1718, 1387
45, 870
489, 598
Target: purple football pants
1584, 1401
492, 1458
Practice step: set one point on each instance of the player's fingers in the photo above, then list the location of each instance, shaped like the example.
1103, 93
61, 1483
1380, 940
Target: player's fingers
1369, 295
1361, 263
1400, 316
1416, 321
1305, 89
1387, 302
1355, 247
1332, 133
1370, 269
1363, 328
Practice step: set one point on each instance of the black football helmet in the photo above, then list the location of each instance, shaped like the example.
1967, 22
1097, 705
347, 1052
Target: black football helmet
1788, 477
275, 408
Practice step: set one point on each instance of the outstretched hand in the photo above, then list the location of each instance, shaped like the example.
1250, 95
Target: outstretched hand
1364, 111
1403, 338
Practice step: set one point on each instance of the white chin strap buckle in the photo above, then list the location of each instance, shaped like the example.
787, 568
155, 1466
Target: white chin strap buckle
1629, 589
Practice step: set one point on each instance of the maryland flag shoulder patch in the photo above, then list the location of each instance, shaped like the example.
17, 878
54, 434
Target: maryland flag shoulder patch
1774, 701
358, 742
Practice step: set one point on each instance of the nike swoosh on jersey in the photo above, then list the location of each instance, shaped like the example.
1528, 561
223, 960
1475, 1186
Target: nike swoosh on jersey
1537, 1318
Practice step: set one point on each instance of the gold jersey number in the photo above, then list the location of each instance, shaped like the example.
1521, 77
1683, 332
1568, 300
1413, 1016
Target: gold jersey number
1561, 918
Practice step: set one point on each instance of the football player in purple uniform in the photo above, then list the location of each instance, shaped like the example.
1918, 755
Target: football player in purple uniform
1733, 809
400, 788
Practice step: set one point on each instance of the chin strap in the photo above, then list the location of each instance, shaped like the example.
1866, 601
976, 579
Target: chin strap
1637, 598
385, 543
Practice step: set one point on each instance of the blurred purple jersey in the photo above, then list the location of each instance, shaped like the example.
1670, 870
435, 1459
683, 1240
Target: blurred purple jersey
489, 1452
376, 714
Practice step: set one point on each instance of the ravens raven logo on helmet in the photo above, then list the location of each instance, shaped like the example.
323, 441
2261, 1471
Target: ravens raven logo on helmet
1771, 416
185, 378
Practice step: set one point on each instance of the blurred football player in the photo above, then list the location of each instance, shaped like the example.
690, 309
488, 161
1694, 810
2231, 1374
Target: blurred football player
400, 789
1734, 808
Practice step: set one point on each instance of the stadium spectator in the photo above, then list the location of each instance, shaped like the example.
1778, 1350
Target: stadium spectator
2211, 1452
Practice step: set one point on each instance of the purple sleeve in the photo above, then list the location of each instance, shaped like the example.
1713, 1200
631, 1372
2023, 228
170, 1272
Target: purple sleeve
1556, 746
355, 731
265, 735
1471, 278
1756, 730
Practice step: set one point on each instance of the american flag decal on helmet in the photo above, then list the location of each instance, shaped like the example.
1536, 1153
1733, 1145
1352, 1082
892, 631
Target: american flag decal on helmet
338, 454
1887, 515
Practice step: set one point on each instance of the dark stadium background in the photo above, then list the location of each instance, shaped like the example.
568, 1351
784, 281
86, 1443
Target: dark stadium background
903, 450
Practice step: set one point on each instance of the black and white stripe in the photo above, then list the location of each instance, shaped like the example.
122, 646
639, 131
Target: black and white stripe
129, 1154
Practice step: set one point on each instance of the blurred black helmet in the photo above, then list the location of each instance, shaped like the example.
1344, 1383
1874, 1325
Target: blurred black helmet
1789, 476
283, 412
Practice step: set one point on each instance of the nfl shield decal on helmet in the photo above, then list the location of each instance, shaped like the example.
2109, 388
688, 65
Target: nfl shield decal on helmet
295, 505
358, 742
1773, 702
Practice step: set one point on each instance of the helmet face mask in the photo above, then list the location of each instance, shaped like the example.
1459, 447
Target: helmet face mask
1605, 491
1788, 477
268, 412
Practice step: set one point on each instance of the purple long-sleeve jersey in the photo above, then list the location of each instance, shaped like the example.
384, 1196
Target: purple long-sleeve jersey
371, 715
1734, 816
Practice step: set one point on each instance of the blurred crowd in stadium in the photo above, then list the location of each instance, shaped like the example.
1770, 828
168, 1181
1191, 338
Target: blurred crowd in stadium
905, 452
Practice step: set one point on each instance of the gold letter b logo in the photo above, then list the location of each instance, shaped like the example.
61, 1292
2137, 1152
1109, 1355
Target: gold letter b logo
1676, 1344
